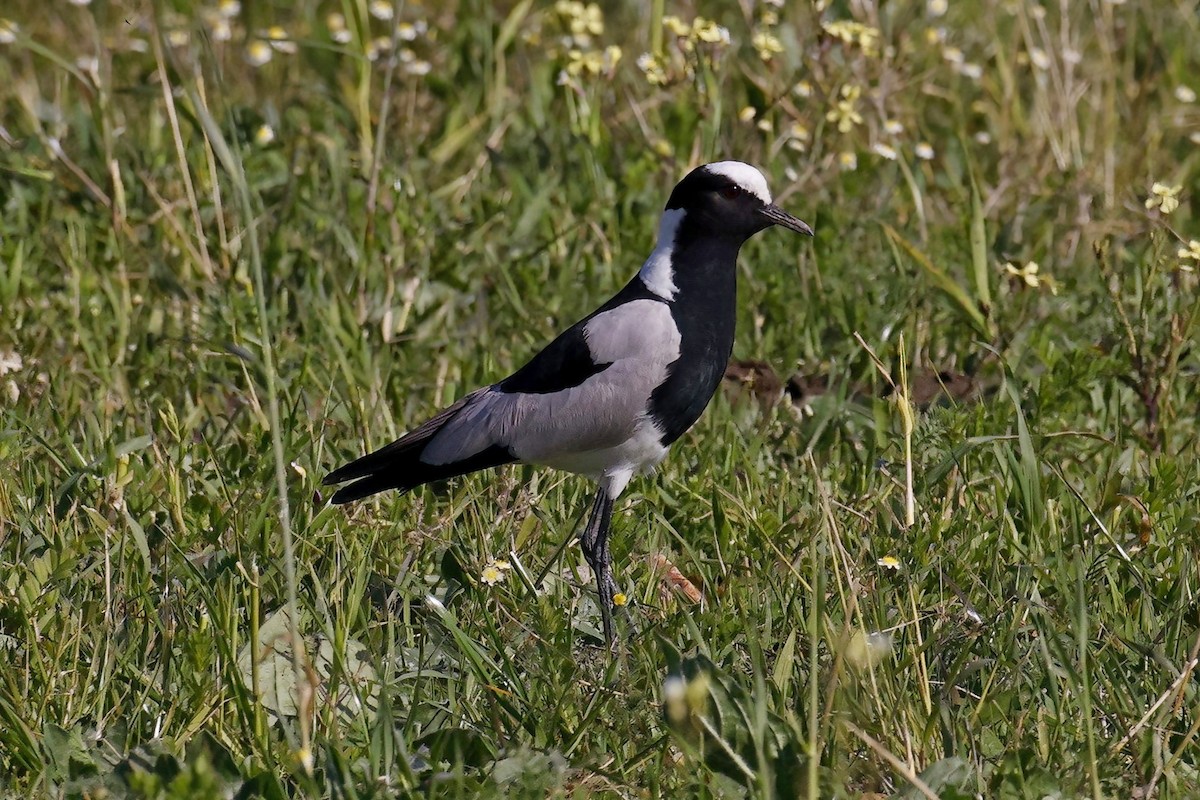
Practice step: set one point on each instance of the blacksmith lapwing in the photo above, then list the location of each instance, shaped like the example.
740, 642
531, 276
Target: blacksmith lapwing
610, 394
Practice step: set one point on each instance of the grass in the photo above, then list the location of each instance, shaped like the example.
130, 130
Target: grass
221, 278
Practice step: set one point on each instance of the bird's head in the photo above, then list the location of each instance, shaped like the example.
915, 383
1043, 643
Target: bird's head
730, 198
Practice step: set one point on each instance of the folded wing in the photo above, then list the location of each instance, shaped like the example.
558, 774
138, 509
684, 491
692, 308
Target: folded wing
585, 393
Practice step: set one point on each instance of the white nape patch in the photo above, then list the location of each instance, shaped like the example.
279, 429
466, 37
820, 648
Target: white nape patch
744, 175
658, 273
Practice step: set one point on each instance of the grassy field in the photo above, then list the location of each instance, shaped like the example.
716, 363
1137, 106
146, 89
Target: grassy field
243, 244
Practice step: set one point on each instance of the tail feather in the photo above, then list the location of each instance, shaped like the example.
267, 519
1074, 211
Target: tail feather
405, 473
399, 465
414, 440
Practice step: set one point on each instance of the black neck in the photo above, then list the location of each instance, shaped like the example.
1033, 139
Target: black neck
705, 311
705, 270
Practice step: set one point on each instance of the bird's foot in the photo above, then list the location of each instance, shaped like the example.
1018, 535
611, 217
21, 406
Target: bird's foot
606, 588
594, 542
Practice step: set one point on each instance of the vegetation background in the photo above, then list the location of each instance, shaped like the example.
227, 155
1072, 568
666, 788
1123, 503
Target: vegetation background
242, 243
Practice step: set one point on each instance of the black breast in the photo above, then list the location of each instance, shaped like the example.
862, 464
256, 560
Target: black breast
705, 310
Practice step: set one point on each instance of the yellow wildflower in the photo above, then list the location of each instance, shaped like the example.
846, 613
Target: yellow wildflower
1164, 197
579, 62
592, 62
676, 26
220, 30
587, 21
1027, 273
279, 40
381, 10
889, 562
652, 69
686, 699
406, 32
710, 32
767, 44
845, 113
382, 44
1031, 275
1190, 253
674, 696
336, 23
852, 32
258, 53
798, 137
494, 572
884, 150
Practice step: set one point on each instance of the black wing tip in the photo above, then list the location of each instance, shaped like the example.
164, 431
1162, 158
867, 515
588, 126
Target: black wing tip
370, 485
350, 492
342, 496
358, 468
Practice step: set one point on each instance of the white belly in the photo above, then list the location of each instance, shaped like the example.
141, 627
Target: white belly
613, 466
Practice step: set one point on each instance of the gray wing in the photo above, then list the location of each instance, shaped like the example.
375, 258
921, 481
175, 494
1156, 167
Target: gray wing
638, 340
532, 416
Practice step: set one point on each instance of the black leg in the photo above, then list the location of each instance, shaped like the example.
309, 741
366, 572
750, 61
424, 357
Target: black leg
594, 540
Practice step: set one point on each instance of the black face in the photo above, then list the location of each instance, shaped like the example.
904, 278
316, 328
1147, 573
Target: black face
722, 207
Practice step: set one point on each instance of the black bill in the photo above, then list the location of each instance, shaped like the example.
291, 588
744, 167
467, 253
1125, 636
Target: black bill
780, 217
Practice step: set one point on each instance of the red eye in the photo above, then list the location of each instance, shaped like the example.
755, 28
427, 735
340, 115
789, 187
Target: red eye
730, 192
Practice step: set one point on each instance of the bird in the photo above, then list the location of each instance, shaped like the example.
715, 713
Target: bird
608, 397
